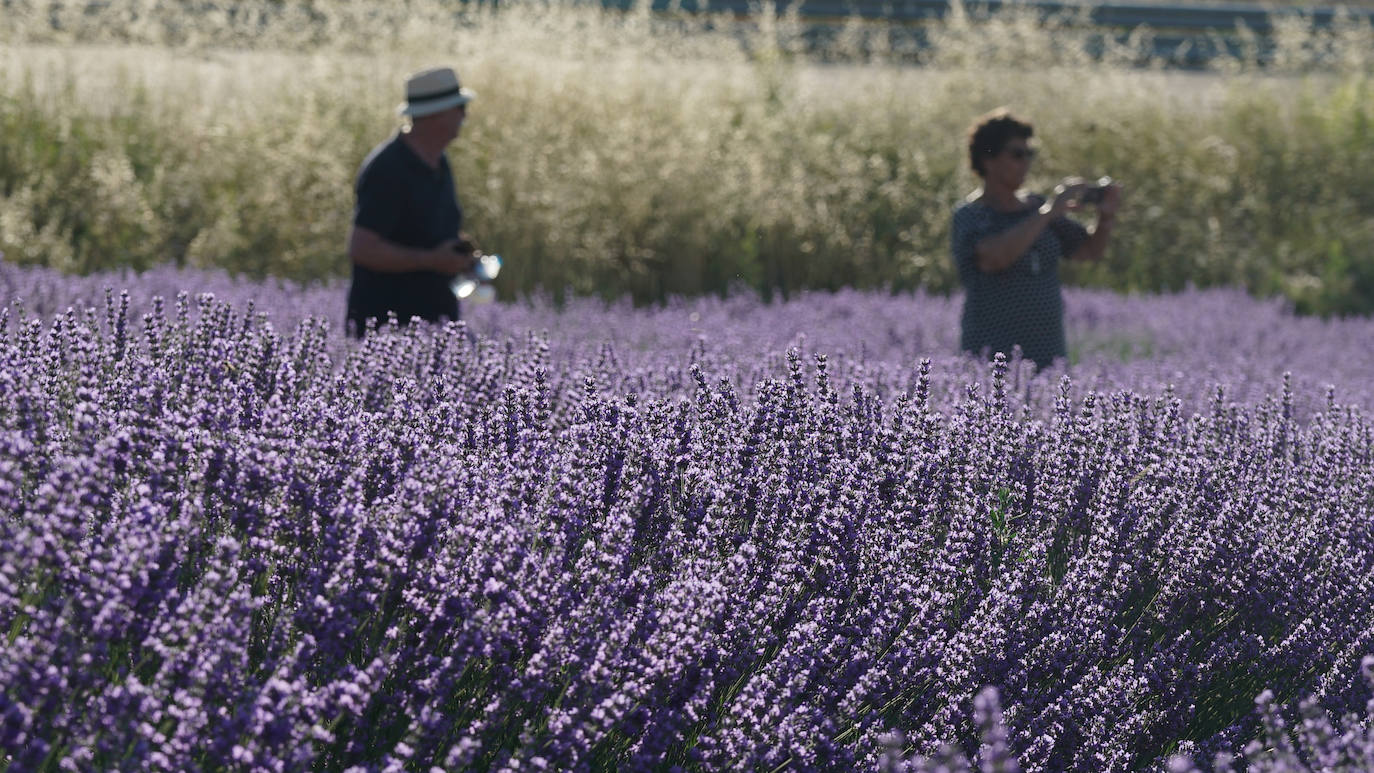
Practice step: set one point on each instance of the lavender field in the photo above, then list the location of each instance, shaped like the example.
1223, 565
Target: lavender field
717, 534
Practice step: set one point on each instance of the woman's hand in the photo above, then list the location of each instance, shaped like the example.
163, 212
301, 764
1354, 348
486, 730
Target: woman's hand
1095, 248
1110, 203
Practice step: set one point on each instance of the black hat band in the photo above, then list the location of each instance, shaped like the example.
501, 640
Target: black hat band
435, 95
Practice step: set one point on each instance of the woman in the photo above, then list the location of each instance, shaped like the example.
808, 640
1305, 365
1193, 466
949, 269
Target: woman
1007, 245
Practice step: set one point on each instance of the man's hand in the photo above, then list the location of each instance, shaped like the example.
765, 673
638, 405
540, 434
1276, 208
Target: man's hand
452, 257
467, 246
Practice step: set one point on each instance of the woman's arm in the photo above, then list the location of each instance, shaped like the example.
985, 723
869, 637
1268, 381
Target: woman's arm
999, 252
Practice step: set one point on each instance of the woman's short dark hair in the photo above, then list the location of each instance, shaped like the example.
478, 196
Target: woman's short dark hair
991, 134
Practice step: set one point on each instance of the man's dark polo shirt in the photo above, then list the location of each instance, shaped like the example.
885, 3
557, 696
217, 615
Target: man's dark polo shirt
408, 203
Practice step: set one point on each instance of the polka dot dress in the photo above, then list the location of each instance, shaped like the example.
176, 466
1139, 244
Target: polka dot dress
1021, 306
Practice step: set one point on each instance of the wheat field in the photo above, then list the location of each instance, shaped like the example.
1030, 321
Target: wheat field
652, 155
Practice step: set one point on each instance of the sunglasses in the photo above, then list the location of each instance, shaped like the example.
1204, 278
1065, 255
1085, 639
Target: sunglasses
1021, 154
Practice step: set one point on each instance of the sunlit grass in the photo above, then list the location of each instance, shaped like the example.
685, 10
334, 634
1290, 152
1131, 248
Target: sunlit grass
628, 153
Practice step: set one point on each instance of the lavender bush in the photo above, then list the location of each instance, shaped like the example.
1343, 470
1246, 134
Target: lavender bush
714, 535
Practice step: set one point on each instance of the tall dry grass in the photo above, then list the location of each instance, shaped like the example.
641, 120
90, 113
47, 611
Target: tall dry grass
651, 155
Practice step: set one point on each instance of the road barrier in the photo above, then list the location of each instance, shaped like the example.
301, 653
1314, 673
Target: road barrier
1180, 35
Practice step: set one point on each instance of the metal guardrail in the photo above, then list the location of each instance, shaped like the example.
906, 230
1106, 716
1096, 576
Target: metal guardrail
1181, 35
1216, 17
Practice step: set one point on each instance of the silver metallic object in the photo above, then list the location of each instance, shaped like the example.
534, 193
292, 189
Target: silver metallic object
475, 285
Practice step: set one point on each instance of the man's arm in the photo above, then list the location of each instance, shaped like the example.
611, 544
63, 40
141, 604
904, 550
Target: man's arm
369, 250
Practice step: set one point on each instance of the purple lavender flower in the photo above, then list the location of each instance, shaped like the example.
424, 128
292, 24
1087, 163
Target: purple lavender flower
716, 534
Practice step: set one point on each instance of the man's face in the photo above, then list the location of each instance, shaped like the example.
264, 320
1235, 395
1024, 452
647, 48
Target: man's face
452, 120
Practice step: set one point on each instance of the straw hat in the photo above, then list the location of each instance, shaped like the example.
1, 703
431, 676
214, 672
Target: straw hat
434, 90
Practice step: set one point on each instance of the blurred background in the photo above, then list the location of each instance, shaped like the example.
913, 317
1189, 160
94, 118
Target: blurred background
643, 153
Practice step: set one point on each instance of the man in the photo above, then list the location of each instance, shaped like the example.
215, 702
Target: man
406, 242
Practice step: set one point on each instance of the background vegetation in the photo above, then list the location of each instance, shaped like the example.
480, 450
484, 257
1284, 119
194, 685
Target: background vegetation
624, 153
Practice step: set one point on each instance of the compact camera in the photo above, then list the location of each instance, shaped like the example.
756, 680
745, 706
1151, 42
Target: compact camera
1094, 193
475, 285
